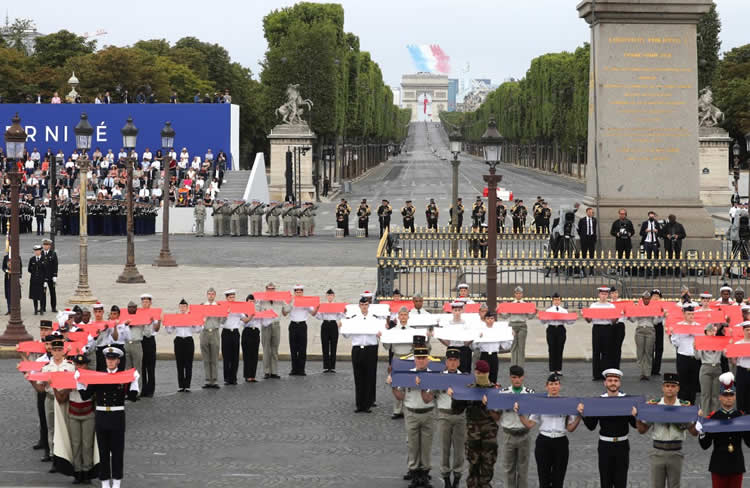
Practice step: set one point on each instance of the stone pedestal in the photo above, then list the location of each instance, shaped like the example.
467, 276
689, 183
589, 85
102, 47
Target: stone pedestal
714, 166
284, 138
643, 117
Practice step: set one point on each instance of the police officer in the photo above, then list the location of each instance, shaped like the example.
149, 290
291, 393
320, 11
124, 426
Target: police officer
384, 216
431, 214
459, 215
666, 458
363, 214
407, 212
622, 230
481, 430
51, 263
199, 213
109, 419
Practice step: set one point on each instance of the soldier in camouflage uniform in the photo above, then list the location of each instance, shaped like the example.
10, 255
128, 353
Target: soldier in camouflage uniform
272, 219
481, 431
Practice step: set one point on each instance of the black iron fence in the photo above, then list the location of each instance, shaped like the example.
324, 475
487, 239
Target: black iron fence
433, 264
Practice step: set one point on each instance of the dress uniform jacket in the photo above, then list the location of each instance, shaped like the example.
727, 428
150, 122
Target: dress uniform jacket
727, 457
37, 276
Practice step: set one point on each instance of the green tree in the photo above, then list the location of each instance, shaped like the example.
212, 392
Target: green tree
159, 47
732, 90
14, 85
54, 49
17, 33
709, 46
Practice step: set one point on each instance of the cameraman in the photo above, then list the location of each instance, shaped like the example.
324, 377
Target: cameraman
622, 230
739, 231
673, 233
565, 232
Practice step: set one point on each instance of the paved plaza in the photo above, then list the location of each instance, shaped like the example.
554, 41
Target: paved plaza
297, 431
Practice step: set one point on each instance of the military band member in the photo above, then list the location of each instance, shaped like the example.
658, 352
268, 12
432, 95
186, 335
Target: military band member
481, 431
342, 216
270, 336
199, 213
502, 214
363, 214
210, 344
298, 332
519, 214
546, 215
364, 362
40, 213
478, 212
431, 214
384, 216
551, 450
666, 458
407, 212
614, 448
184, 350
459, 216
37, 280
272, 218
109, 420
329, 334
516, 442
520, 330
81, 429
419, 420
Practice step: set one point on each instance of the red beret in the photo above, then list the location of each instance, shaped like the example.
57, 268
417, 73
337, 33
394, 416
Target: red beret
482, 366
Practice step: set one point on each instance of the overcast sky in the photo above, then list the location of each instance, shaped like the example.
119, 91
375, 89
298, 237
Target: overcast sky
498, 38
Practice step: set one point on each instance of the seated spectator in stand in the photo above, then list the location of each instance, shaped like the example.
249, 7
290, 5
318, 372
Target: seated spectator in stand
196, 164
55, 99
116, 193
29, 166
35, 156
144, 195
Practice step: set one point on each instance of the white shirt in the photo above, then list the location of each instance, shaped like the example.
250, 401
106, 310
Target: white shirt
444, 402
555, 309
233, 321
601, 305
400, 349
684, 342
362, 340
492, 347
552, 425
300, 314
123, 334
463, 325
650, 236
421, 311
589, 226
413, 397
196, 164
147, 156
122, 155
63, 193
329, 316
51, 367
184, 331
743, 361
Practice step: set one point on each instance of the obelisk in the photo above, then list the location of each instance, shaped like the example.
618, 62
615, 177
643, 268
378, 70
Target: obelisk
643, 113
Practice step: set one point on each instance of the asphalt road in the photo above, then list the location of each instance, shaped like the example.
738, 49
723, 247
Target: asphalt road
297, 431
418, 175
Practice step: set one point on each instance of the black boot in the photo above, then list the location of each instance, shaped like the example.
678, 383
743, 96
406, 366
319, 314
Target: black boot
416, 479
456, 480
409, 475
426, 479
78, 478
447, 481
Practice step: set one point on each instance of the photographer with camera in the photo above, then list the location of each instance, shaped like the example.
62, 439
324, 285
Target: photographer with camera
565, 233
622, 230
739, 232
673, 233
650, 232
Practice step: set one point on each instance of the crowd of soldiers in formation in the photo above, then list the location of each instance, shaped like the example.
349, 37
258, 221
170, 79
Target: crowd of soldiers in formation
518, 212
468, 424
231, 218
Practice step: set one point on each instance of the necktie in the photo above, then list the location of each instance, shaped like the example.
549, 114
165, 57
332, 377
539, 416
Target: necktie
591, 232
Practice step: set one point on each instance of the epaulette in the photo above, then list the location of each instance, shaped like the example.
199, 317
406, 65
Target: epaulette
684, 403
710, 414
652, 402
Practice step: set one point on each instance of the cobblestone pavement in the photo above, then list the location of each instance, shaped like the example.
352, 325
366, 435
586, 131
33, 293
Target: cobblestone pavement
297, 431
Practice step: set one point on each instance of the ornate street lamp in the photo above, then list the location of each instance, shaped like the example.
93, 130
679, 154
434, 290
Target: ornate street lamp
736, 166
167, 143
129, 137
15, 140
84, 133
456, 141
492, 144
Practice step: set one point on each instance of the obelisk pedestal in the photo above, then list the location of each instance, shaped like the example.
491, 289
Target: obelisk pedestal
285, 138
714, 169
643, 117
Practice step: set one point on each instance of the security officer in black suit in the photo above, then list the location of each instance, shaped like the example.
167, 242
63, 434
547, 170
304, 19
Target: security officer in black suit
109, 420
50, 259
587, 232
37, 277
650, 233
622, 230
40, 213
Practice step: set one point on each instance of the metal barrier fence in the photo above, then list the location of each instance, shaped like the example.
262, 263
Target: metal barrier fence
426, 263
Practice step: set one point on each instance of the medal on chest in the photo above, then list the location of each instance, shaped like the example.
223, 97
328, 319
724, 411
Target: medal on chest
730, 448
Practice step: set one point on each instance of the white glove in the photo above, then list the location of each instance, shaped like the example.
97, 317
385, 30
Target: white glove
54, 279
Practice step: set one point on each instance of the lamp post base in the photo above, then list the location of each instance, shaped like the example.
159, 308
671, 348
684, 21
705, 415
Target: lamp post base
165, 260
15, 333
130, 275
83, 296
